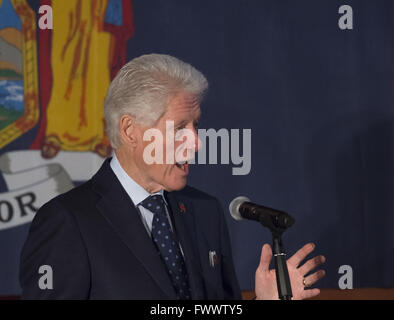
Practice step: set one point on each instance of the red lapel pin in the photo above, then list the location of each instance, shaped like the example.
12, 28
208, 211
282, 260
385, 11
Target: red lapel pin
182, 207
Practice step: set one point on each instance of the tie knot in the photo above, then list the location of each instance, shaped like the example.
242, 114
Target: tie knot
154, 203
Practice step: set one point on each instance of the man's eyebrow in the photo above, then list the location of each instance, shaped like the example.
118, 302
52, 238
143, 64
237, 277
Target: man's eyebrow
185, 122
182, 123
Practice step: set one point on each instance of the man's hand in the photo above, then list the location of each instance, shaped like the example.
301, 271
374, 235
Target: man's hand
265, 281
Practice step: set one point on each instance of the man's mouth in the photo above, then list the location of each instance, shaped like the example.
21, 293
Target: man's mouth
183, 165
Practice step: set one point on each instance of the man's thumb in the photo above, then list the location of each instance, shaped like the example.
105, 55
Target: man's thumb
265, 258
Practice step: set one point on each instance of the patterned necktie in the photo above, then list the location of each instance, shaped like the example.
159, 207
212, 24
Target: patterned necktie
166, 243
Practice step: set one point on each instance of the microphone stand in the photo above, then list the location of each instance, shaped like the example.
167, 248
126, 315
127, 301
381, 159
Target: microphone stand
282, 274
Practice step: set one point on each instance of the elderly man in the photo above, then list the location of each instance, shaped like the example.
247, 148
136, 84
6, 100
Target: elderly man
135, 230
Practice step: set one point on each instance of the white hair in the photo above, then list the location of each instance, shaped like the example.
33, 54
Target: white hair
144, 87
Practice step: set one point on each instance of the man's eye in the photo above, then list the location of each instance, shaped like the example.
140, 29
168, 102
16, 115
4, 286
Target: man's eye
180, 128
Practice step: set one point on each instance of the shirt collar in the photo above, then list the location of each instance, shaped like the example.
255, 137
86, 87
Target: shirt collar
136, 193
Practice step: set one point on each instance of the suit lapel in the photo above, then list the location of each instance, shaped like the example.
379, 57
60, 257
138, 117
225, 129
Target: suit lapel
120, 212
183, 219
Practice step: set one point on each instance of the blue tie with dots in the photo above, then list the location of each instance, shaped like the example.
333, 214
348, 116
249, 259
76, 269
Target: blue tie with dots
166, 243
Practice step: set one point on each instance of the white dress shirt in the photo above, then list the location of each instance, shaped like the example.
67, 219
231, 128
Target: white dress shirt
136, 193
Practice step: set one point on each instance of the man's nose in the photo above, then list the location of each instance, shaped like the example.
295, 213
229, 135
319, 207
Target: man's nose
194, 142
197, 142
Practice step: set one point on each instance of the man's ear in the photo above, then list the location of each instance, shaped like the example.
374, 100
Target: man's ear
128, 130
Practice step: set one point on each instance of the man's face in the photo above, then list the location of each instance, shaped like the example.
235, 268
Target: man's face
183, 112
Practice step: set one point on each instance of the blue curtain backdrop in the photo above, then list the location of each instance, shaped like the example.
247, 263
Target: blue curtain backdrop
319, 102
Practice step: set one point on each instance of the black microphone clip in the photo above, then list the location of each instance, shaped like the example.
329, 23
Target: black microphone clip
275, 220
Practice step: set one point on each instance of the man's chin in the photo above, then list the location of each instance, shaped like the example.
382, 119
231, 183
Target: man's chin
176, 186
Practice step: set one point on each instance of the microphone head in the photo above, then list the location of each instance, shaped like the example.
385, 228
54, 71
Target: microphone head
234, 207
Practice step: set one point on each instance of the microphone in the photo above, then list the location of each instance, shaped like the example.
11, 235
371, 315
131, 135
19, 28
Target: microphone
241, 208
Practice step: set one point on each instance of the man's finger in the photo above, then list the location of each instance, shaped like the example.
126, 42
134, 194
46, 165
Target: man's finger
301, 254
310, 293
265, 258
313, 278
311, 264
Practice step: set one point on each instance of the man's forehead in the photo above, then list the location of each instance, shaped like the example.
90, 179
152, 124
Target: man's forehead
184, 105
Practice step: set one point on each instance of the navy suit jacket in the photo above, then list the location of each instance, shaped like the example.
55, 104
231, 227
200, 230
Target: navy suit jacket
98, 248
